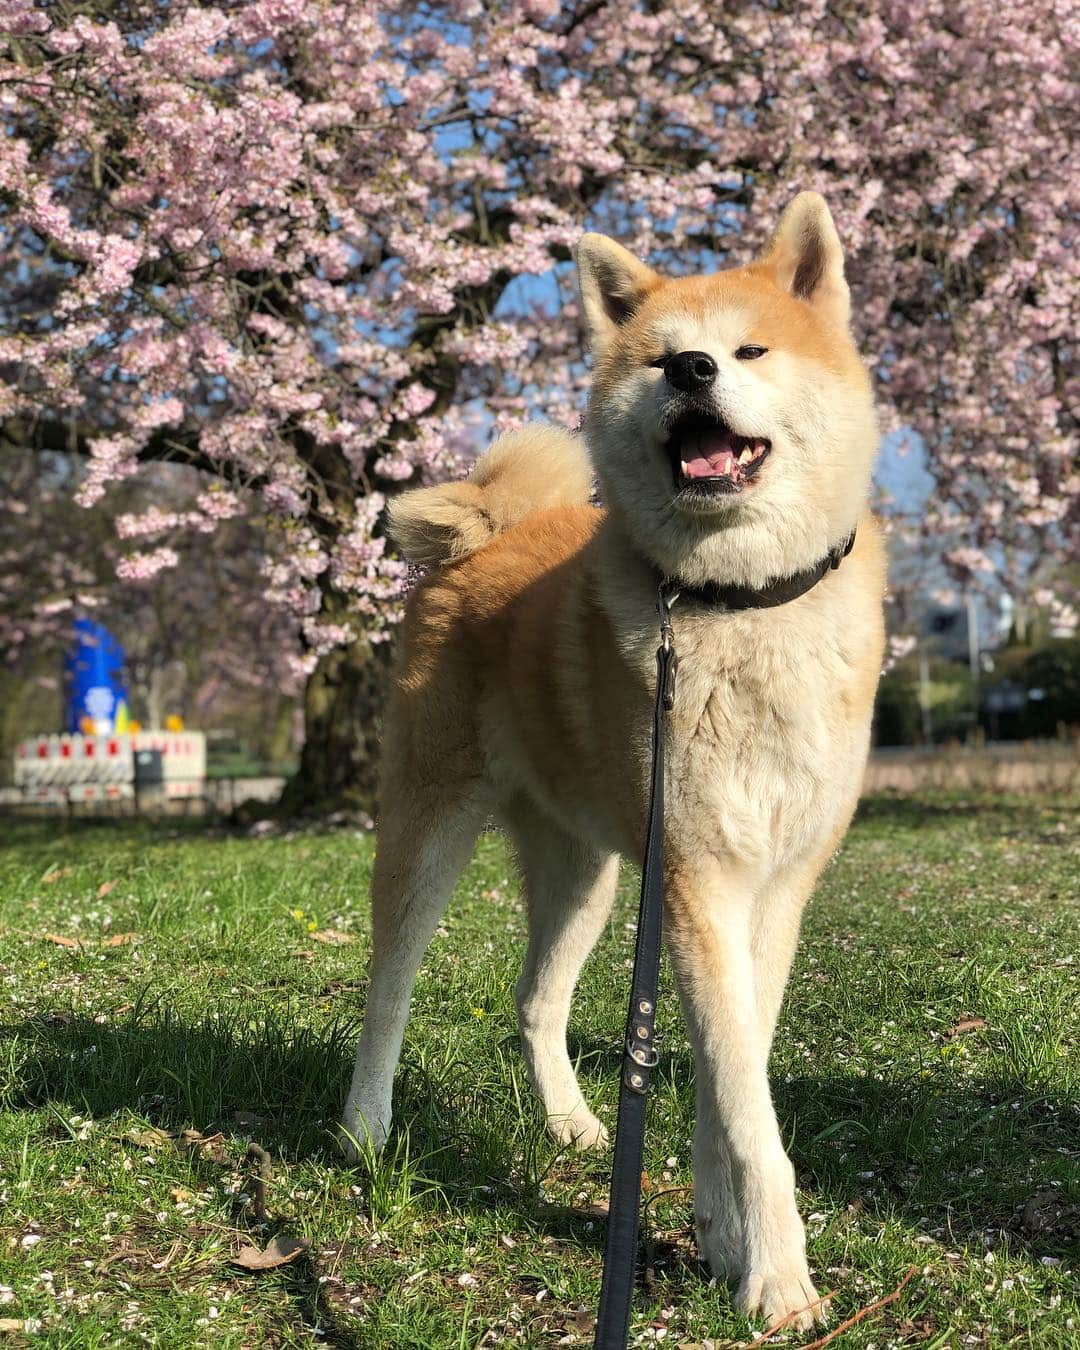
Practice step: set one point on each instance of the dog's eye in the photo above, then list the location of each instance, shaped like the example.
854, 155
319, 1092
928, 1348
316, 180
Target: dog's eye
750, 353
659, 363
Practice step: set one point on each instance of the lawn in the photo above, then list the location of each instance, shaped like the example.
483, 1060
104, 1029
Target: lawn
925, 1073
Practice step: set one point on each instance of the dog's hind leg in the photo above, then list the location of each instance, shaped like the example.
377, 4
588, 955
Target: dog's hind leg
423, 846
569, 889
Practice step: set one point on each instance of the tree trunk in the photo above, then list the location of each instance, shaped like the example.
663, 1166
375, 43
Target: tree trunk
343, 703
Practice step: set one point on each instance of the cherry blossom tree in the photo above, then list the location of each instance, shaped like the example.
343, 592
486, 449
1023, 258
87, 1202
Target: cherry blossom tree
318, 251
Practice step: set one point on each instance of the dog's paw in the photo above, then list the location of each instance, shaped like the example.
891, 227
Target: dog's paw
777, 1294
360, 1130
578, 1128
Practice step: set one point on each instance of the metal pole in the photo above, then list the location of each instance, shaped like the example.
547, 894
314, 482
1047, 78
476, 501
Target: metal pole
924, 696
973, 638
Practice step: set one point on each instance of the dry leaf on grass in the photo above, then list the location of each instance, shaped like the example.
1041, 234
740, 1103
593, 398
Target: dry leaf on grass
105, 888
120, 939
56, 874
965, 1025
116, 940
305, 955
279, 1251
209, 1147
332, 936
9, 1325
148, 1136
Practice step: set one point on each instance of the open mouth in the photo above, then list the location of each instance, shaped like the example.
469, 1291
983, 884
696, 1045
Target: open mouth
708, 457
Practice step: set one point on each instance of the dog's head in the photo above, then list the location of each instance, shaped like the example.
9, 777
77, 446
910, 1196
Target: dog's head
731, 420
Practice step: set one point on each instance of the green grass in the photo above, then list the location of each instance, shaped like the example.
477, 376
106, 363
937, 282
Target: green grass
957, 1155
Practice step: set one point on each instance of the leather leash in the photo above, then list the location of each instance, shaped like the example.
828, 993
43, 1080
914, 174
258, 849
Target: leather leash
624, 1210
640, 1057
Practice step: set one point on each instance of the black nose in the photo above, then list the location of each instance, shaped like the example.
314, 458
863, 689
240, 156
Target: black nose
690, 371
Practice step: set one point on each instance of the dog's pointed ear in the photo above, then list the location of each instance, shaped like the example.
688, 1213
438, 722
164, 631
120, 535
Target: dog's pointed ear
612, 284
807, 257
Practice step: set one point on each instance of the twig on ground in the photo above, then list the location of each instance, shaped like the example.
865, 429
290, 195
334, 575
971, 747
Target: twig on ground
863, 1312
791, 1316
257, 1154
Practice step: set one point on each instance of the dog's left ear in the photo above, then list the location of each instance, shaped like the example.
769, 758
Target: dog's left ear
807, 257
612, 284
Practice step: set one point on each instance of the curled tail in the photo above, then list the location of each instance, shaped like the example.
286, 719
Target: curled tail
524, 471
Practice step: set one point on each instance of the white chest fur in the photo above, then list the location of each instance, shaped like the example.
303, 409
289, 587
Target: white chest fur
768, 737
763, 750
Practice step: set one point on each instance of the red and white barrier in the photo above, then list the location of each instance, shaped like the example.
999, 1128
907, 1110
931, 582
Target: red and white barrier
102, 768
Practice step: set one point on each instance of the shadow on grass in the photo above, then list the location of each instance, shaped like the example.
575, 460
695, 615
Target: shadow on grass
910, 810
964, 1159
37, 832
176, 1072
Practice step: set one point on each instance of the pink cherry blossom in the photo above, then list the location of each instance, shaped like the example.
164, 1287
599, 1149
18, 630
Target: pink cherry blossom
320, 252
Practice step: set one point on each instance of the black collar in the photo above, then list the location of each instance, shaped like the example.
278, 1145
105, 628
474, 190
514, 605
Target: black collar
776, 592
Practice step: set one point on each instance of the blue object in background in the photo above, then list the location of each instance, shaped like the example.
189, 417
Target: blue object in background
95, 679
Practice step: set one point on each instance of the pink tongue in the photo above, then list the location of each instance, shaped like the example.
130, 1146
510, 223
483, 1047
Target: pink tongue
710, 456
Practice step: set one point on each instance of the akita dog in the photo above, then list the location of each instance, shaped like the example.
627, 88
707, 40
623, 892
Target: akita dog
732, 429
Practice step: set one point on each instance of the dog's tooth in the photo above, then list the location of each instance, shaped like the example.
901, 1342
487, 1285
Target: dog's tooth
746, 456
682, 467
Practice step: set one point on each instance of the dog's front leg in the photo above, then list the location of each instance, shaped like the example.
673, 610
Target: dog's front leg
710, 916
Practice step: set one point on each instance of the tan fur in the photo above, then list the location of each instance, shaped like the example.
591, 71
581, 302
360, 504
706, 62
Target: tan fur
525, 690
524, 471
